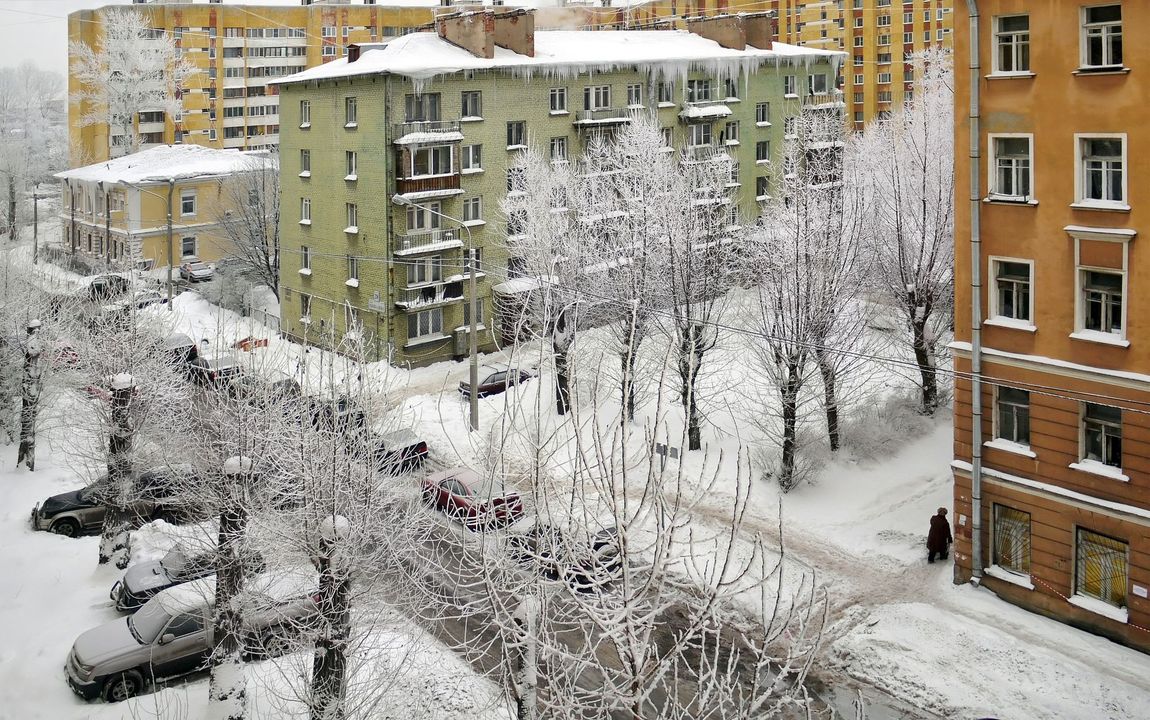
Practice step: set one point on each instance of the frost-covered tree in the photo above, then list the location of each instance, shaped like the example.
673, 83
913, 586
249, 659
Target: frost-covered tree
32, 134
911, 168
135, 68
248, 216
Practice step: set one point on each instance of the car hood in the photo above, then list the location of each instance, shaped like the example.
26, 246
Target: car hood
64, 501
105, 642
146, 576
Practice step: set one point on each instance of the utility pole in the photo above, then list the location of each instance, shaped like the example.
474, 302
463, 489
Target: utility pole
472, 335
72, 233
35, 223
171, 189
107, 226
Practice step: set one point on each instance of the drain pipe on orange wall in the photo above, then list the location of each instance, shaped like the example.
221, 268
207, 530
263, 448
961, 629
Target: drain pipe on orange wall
975, 303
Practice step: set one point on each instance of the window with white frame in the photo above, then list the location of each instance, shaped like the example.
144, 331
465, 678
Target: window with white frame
423, 217
668, 135
351, 162
516, 134
731, 132
1102, 434
304, 257
558, 149
635, 95
305, 163
472, 209
762, 187
763, 113
1012, 44
699, 134
434, 160
699, 90
1102, 302
516, 180
188, 246
817, 84
1102, 170
423, 107
305, 113
472, 103
472, 157
1012, 415
352, 213
596, 97
188, 202
859, 41
1013, 171
1011, 545
425, 270
477, 254
763, 151
1102, 36
353, 268
305, 210
884, 77
1012, 298
558, 98
350, 112
1101, 567
425, 322
666, 93
790, 85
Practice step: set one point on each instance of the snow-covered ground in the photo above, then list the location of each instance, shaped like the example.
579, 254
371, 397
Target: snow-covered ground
897, 623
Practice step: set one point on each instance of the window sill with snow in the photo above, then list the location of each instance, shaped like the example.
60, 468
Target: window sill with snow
1011, 447
1001, 573
1101, 469
1102, 338
1096, 606
1010, 323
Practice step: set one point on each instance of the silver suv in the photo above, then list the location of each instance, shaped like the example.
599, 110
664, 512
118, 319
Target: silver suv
155, 495
171, 635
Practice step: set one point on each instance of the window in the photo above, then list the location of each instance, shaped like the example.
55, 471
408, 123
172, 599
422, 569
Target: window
517, 222
188, 246
472, 210
762, 187
558, 149
763, 113
305, 257
858, 42
478, 254
182, 625
421, 108
516, 134
1102, 434
817, 84
883, 21
1102, 176
790, 127
423, 217
668, 135
472, 103
424, 323
353, 267
883, 59
730, 89
634, 95
884, 77
1102, 301
425, 270
763, 151
478, 312
666, 93
1012, 415
1012, 44
327, 31
1012, 296
1100, 567
352, 165
1102, 36
1011, 548
1012, 168
472, 158
352, 212
305, 211
558, 100
305, 307
596, 97
516, 180
790, 85
699, 134
434, 160
350, 112
731, 132
698, 91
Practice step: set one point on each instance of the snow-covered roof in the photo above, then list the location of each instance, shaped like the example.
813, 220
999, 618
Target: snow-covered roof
160, 163
563, 53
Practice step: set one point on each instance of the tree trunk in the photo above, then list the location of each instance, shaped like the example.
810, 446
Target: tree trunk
329, 667
227, 692
114, 540
926, 368
30, 401
790, 427
628, 362
12, 227
562, 383
830, 395
690, 358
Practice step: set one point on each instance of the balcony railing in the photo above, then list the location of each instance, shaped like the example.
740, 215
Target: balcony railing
429, 295
830, 97
436, 127
602, 116
416, 241
703, 153
427, 183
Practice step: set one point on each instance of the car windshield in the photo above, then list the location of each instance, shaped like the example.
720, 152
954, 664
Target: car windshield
91, 493
174, 563
147, 623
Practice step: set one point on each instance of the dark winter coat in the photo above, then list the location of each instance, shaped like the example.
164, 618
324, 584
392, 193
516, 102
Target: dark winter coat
939, 536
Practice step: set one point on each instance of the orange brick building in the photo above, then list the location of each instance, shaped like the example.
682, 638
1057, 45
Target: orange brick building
1052, 464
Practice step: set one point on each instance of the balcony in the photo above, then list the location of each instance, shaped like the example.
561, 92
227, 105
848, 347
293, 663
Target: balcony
704, 110
414, 242
828, 99
428, 295
438, 185
603, 116
426, 132
704, 153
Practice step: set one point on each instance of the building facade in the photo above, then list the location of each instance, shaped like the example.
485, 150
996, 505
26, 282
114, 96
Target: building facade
118, 210
442, 126
1052, 448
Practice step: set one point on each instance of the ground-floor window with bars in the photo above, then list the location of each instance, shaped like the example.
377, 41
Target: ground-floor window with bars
1100, 567
1012, 539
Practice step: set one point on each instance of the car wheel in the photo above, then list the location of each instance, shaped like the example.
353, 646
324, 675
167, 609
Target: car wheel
124, 686
66, 527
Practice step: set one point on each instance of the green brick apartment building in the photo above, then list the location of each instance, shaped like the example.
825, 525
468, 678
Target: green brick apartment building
438, 118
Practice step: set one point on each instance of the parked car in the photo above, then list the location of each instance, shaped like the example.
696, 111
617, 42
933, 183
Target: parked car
155, 495
399, 451
494, 379
103, 288
215, 369
337, 414
172, 635
181, 349
462, 495
193, 269
263, 393
584, 563
144, 580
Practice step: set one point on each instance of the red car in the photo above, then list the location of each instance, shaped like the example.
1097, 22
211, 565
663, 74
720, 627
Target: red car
462, 495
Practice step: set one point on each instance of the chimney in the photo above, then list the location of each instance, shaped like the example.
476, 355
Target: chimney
474, 31
515, 30
761, 29
727, 30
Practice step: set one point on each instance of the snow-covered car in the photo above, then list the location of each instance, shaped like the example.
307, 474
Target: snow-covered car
462, 495
399, 451
494, 379
171, 635
215, 369
106, 287
584, 563
144, 580
181, 349
155, 496
193, 269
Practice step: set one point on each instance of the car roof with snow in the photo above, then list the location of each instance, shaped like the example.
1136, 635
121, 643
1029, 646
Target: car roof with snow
480, 485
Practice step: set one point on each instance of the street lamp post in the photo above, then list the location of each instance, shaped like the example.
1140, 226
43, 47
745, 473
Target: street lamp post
171, 191
472, 339
35, 223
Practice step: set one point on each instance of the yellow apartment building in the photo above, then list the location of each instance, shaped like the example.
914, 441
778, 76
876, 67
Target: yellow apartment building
118, 209
1052, 398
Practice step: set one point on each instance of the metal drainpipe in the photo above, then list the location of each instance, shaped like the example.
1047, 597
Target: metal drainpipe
975, 303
